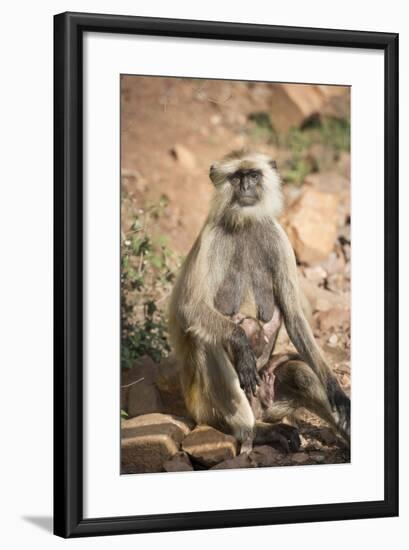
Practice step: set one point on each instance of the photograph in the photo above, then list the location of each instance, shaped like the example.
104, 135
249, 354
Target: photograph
235, 273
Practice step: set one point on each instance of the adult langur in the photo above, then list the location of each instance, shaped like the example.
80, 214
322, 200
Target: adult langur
242, 270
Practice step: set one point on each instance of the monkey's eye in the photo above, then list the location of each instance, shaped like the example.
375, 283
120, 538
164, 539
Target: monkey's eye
254, 177
235, 180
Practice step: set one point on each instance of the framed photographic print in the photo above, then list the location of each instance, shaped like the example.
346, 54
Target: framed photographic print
226, 265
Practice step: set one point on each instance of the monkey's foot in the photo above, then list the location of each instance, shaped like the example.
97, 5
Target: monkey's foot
281, 435
246, 446
341, 407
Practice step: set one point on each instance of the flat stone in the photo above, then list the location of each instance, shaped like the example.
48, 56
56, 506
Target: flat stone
311, 224
292, 104
179, 462
239, 461
148, 441
209, 446
263, 456
300, 458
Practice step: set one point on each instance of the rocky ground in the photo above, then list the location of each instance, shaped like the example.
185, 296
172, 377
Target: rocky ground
171, 131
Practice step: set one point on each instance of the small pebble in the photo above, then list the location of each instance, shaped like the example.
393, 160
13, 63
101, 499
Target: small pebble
333, 339
318, 457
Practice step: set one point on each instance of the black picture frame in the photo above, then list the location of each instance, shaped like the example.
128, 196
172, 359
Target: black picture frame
68, 274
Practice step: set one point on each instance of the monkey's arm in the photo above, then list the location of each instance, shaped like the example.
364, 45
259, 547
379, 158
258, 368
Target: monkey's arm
287, 293
210, 326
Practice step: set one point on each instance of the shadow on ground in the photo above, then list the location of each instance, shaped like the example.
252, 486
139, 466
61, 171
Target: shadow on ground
43, 522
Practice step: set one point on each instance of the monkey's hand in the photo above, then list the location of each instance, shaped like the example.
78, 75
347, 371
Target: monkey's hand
341, 406
244, 362
247, 373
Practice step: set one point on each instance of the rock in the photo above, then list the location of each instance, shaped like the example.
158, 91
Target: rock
311, 224
239, 461
168, 383
322, 299
209, 446
144, 398
336, 282
316, 274
317, 457
292, 104
328, 436
128, 469
143, 395
337, 106
323, 304
215, 120
334, 263
333, 318
180, 462
300, 458
148, 441
263, 456
344, 234
333, 339
142, 373
312, 445
335, 183
184, 157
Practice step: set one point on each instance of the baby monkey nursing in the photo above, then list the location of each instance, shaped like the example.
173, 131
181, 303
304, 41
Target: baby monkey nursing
236, 286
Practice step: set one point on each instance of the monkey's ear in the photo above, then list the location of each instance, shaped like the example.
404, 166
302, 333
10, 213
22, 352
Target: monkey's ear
273, 164
212, 173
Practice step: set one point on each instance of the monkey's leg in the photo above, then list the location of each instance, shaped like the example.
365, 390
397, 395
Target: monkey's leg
213, 394
324, 384
297, 385
287, 293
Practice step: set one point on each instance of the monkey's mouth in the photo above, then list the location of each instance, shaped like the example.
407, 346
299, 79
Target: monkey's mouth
247, 200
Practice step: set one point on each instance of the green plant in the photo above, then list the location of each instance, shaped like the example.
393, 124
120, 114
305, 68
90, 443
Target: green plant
262, 128
331, 132
296, 170
147, 271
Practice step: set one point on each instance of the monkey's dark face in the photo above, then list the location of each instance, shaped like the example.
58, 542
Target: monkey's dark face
247, 186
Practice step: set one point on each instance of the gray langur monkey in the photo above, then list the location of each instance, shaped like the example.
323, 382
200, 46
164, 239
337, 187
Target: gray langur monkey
240, 270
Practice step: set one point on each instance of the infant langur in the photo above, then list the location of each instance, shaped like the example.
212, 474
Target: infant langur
242, 266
